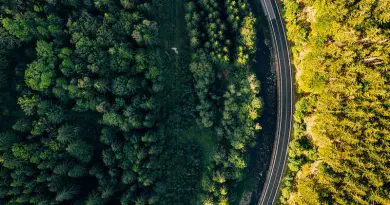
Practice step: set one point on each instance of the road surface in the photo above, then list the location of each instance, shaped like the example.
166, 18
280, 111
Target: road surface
285, 103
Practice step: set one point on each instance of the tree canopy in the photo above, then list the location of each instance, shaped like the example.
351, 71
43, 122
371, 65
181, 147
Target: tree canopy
340, 150
96, 108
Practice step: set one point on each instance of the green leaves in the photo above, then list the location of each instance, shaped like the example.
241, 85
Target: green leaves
28, 104
7, 139
146, 33
67, 193
39, 75
80, 150
337, 53
223, 42
204, 77
124, 86
45, 50
21, 29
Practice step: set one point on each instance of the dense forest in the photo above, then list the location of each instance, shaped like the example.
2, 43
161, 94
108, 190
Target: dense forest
92, 111
341, 145
226, 88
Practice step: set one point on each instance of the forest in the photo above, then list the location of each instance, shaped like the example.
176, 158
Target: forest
340, 150
96, 107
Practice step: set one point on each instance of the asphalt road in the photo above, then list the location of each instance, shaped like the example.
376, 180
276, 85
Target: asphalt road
285, 103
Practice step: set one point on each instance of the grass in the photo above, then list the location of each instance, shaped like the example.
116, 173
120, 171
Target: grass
205, 139
179, 95
186, 141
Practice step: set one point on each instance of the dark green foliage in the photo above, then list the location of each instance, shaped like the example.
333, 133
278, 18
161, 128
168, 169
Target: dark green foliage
95, 111
54, 114
22, 125
128, 4
80, 150
77, 171
107, 136
145, 33
204, 74
7, 139
67, 133
226, 88
80, 60
66, 193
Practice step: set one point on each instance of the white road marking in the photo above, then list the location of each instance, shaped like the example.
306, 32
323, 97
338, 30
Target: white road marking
291, 90
276, 147
270, 172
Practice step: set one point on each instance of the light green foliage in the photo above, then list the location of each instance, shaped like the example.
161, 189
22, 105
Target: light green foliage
128, 4
26, 26
39, 75
38, 128
21, 152
28, 104
112, 119
248, 36
340, 50
44, 49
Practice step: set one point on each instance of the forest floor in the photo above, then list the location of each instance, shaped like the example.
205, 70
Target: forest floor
180, 99
182, 130
180, 94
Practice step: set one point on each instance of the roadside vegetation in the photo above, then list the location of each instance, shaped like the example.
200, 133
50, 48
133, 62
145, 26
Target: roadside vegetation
222, 39
125, 102
340, 149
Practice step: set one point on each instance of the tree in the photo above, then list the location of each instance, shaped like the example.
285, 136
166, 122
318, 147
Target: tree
20, 28
108, 157
67, 193
22, 151
145, 33
107, 136
54, 113
28, 103
67, 133
94, 199
22, 125
334, 53
39, 75
119, 86
101, 4
7, 139
39, 127
128, 4
80, 150
77, 171
112, 119
204, 76
248, 34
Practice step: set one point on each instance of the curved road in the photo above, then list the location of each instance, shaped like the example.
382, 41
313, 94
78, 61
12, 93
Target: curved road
285, 103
